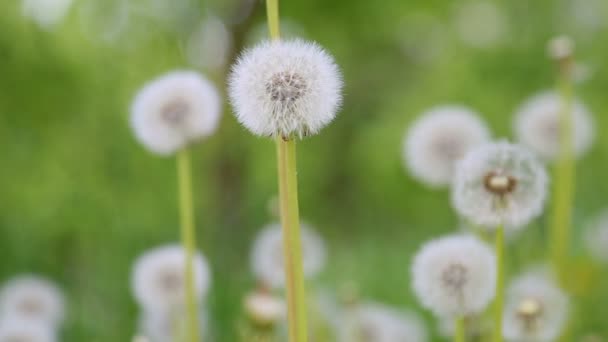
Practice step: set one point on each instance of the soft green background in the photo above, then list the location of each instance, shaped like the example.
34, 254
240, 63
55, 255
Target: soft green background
80, 198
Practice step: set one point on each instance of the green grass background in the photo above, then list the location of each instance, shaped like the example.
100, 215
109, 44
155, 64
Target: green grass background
80, 198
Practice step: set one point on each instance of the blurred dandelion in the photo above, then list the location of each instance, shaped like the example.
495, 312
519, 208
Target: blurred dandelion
264, 309
158, 279
285, 88
33, 298
481, 23
167, 326
536, 309
267, 262
438, 139
14, 329
596, 237
537, 125
46, 13
175, 110
454, 275
209, 46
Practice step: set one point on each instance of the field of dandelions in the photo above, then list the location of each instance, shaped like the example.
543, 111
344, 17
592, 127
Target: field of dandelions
450, 170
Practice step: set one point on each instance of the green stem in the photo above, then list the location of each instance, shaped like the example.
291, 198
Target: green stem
564, 171
499, 246
184, 177
292, 247
459, 331
272, 12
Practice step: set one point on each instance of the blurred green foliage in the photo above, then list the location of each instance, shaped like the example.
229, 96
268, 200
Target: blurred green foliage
80, 198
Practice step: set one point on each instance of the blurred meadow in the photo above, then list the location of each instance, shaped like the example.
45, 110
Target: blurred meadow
80, 199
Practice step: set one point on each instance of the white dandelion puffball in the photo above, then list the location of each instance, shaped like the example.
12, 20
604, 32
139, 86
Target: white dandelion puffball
14, 329
454, 275
560, 47
499, 184
267, 255
209, 46
536, 309
46, 13
285, 88
264, 308
596, 237
167, 327
373, 322
32, 297
158, 279
175, 110
438, 139
537, 125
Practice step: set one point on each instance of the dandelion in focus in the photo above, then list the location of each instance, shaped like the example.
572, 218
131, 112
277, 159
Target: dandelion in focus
537, 125
437, 140
536, 309
32, 298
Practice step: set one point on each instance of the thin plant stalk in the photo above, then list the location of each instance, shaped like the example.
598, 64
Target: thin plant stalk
499, 246
292, 246
188, 236
564, 174
459, 329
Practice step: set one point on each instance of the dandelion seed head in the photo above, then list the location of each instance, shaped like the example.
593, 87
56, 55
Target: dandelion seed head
285, 88
481, 24
499, 184
536, 309
158, 279
264, 308
560, 47
454, 275
374, 322
537, 125
46, 13
596, 237
168, 326
438, 139
21, 329
175, 110
267, 255
32, 297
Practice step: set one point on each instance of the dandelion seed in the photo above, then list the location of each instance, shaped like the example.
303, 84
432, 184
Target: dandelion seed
373, 322
438, 139
454, 275
32, 297
285, 88
536, 309
596, 237
267, 255
175, 110
537, 125
264, 308
25, 330
499, 184
157, 280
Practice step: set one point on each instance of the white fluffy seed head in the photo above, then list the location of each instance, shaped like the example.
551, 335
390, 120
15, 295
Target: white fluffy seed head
32, 297
264, 308
158, 279
174, 110
596, 237
499, 184
374, 322
536, 309
46, 13
20, 329
537, 125
438, 139
168, 327
560, 47
267, 255
454, 275
285, 88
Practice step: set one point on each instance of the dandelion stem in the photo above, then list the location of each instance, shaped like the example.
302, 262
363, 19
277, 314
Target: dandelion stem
292, 247
564, 173
459, 331
499, 246
272, 11
184, 177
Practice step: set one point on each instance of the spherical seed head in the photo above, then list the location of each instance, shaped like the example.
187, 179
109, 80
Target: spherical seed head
158, 279
596, 237
499, 184
438, 139
32, 297
560, 47
175, 110
21, 329
536, 309
267, 255
285, 88
537, 125
46, 13
264, 308
374, 322
454, 275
